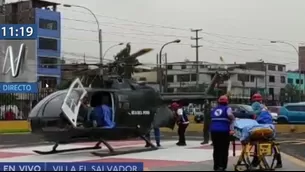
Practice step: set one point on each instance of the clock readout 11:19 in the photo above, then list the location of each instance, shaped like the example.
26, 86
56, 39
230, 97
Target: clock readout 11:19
28, 31
18, 31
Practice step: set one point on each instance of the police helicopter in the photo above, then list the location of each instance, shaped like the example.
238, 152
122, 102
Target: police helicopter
68, 116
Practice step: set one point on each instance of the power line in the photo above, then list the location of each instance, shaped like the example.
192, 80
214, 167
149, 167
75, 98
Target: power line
153, 34
180, 29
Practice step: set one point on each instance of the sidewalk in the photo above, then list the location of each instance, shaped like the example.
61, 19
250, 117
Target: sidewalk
289, 164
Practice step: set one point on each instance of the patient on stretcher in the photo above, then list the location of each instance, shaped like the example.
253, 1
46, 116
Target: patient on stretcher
250, 130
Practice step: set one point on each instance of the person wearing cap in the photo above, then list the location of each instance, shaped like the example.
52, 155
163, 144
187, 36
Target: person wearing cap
182, 122
263, 117
221, 127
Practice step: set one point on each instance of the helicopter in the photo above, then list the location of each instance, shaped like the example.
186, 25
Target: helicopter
134, 108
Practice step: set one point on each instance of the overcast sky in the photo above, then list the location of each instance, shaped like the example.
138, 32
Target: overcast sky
237, 30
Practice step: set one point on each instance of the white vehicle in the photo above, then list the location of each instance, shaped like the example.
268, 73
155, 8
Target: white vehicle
274, 112
198, 115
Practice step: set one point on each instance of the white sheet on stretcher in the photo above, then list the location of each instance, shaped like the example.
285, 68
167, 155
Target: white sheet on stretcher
243, 128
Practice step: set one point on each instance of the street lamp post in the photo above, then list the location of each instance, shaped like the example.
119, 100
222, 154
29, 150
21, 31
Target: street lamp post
111, 48
98, 29
298, 53
160, 62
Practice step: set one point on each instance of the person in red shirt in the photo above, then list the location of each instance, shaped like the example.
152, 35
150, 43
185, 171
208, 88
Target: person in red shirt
9, 115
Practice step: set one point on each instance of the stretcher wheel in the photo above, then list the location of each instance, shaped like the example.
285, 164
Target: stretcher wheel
241, 167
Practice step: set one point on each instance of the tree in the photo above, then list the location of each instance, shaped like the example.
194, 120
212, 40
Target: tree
290, 93
124, 63
64, 84
8, 99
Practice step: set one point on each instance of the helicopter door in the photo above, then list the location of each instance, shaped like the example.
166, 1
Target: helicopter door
72, 101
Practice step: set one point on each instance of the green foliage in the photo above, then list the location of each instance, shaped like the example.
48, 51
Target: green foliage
290, 93
8, 99
64, 85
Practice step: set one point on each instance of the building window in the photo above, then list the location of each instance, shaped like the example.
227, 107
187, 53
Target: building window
252, 78
272, 67
170, 78
280, 68
271, 79
47, 62
47, 24
170, 90
193, 77
48, 82
48, 44
283, 79
183, 66
142, 79
290, 81
297, 81
243, 77
183, 78
170, 67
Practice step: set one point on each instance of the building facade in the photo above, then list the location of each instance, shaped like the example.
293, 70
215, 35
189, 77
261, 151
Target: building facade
294, 79
302, 58
48, 20
48, 47
265, 78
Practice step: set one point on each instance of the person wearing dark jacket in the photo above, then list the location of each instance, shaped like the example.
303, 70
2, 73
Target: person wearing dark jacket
221, 127
206, 125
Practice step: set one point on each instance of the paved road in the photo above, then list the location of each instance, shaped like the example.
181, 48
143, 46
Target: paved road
292, 144
289, 164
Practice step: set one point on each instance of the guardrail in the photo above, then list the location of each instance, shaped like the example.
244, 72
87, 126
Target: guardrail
23, 126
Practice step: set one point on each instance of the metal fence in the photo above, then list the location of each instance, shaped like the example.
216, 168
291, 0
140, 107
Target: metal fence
21, 104
18, 106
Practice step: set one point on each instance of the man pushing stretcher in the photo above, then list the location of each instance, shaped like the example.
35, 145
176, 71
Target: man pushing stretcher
263, 117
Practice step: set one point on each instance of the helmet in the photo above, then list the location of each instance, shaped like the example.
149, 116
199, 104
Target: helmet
223, 99
257, 97
174, 105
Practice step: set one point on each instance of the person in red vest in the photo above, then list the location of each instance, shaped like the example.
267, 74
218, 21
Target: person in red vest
9, 115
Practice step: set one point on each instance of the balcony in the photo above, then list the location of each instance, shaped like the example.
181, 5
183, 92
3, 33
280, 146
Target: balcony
49, 71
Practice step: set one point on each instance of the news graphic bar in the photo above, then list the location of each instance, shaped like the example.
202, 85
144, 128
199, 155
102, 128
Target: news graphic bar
81, 166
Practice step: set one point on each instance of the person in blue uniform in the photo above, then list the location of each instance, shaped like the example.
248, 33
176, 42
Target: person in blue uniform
182, 122
263, 117
220, 128
103, 114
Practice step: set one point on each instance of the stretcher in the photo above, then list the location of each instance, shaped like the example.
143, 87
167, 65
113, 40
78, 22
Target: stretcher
258, 143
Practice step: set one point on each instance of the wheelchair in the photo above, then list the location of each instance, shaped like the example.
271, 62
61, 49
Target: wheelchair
255, 151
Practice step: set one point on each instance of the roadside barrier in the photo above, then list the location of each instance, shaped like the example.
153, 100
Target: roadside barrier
23, 126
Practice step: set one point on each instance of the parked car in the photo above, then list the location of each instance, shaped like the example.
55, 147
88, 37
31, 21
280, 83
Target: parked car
198, 115
242, 111
292, 113
274, 111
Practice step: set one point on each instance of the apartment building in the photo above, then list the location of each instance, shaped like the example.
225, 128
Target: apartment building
181, 75
294, 79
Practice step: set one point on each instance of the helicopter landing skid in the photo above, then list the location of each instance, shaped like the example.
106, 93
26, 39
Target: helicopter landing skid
54, 151
121, 151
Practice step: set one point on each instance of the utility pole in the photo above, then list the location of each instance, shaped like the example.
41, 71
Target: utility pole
84, 58
165, 78
197, 46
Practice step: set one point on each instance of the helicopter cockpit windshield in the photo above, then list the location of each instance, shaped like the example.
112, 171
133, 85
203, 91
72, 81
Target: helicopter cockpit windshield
82, 108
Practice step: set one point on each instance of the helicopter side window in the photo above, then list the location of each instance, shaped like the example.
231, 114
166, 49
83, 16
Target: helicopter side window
52, 108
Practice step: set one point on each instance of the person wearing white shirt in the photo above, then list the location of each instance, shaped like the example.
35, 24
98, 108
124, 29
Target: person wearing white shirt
182, 121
